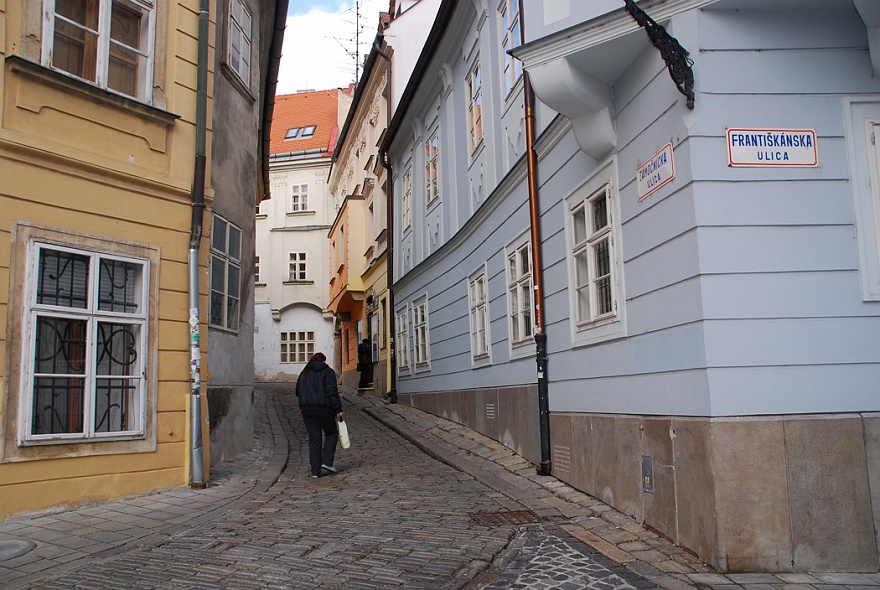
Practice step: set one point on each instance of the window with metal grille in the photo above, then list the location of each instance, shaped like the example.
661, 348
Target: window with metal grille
86, 353
519, 294
479, 315
593, 256
402, 343
421, 342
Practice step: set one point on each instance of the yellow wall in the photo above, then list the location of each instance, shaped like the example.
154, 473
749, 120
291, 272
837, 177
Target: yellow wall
85, 165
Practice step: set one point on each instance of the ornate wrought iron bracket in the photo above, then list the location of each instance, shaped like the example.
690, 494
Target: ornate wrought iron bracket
676, 57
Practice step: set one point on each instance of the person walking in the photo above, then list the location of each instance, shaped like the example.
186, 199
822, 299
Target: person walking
321, 407
365, 364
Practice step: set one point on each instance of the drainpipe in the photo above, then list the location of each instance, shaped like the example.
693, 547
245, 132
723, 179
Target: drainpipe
198, 208
389, 226
537, 266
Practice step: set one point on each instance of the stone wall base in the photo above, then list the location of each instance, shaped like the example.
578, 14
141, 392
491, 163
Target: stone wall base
746, 494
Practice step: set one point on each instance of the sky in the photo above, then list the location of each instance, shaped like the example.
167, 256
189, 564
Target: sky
319, 42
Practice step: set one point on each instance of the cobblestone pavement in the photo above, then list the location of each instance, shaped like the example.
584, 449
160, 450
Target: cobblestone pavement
420, 502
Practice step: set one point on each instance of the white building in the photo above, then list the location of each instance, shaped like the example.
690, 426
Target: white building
292, 252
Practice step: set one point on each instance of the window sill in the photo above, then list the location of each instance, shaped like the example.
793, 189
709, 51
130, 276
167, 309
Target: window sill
299, 282
237, 82
305, 213
68, 83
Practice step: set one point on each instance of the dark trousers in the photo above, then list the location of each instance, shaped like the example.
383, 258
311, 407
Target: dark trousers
366, 375
319, 421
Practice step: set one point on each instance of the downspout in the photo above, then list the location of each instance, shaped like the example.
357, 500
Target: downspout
537, 265
389, 226
197, 479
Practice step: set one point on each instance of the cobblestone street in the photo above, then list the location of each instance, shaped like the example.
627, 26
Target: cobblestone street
431, 515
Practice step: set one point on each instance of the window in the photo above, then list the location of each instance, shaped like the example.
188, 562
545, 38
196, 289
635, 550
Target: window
225, 274
402, 343
597, 296
862, 118
479, 316
239, 50
511, 39
299, 200
297, 347
300, 132
519, 292
431, 169
106, 42
421, 343
406, 200
256, 269
475, 108
86, 346
296, 270
592, 252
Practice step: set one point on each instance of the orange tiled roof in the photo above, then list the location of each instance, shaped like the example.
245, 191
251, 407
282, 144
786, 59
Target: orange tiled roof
316, 108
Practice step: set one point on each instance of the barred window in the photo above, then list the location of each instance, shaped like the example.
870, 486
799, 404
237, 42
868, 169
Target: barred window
479, 315
87, 336
519, 294
593, 255
421, 342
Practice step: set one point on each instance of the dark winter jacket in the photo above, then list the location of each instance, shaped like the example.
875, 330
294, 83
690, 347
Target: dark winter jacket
316, 387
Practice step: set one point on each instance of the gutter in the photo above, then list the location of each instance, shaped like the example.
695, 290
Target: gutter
197, 467
269, 91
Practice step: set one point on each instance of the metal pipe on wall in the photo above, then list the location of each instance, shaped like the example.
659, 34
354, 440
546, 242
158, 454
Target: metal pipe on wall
197, 465
537, 266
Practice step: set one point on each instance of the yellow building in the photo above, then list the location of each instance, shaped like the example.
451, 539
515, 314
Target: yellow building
97, 166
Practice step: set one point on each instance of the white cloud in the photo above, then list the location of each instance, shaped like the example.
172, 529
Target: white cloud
317, 45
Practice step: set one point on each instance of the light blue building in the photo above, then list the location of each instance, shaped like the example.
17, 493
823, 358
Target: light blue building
709, 248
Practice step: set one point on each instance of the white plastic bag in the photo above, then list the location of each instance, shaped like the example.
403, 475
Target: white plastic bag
344, 441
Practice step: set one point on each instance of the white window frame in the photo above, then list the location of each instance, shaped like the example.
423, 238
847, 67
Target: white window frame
521, 321
421, 334
225, 297
105, 47
406, 199
297, 267
861, 120
238, 50
299, 198
478, 305
583, 239
296, 346
432, 167
475, 107
511, 38
129, 319
257, 270
401, 344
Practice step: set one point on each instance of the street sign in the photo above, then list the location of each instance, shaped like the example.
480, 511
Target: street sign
656, 172
772, 147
